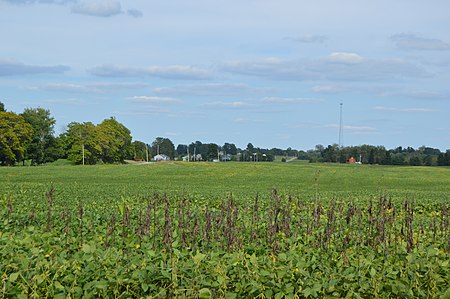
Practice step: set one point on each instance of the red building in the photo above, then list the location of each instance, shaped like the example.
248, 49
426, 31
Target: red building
351, 160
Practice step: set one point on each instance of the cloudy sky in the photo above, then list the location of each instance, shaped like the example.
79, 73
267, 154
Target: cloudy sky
268, 72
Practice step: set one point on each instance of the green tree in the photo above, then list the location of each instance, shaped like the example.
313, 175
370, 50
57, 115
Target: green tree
81, 141
2, 107
140, 151
229, 148
330, 154
43, 130
415, 161
182, 149
114, 140
213, 150
15, 133
163, 146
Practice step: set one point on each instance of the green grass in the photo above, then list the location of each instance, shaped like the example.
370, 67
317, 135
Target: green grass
243, 179
104, 233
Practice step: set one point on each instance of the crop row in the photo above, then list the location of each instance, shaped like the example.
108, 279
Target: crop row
271, 246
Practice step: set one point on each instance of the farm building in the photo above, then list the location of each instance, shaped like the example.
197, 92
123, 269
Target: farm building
351, 160
161, 157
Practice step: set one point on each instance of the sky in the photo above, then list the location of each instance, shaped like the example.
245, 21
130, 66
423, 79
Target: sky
270, 73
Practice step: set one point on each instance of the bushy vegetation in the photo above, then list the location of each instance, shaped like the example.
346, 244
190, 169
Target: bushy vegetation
130, 231
30, 136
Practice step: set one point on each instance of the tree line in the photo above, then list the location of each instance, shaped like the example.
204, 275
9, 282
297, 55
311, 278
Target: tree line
30, 136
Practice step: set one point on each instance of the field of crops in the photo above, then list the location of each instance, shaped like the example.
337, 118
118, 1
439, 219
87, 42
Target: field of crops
225, 230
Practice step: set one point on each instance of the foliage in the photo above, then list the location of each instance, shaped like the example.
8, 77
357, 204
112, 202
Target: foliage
107, 142
163, 146
115, 141
15, 134
43, 145
129, 240
82, 143
141, 151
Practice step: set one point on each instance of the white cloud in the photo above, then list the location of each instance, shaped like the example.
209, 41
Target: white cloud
338, 66
393, 109
89, 88
60, 2
9, 67
65, 101
352, 128
348, 128
279, 100
413, 42
167, 72
99, 9
345, 57
308, 38
415, 94
153, 100
328, 89
135, 13
210, 89
231, 105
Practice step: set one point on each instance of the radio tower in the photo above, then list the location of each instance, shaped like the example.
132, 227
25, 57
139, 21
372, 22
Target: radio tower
341, 137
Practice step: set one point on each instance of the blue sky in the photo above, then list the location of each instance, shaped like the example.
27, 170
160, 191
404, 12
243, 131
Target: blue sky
267, 72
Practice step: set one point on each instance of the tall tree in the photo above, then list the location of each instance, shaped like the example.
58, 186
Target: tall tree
213, 150
163, 146
115, 141
182, 149
2, 107
43, 128
229, 148
82, 143
141, 151
15, 133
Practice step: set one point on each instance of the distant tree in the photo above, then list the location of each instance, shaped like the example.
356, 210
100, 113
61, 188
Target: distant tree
371, 156
213, 150
81, 136
140, 150
387, 159
163, 146
2, 107
43, 129
398, 159
444, 159
415, 161
115, 141
250, 148
182, 149
15, 133
330, 154
229, 148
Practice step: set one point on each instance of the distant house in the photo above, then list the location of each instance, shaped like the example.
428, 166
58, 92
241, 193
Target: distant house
161, 157
226, 157
351, 160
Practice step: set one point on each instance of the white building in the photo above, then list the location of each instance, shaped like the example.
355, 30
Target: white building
161, 157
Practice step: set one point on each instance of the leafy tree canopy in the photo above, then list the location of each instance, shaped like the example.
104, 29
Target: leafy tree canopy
15, 133
43, 129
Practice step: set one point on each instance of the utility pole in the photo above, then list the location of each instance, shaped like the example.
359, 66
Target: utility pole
146, 151
82, 147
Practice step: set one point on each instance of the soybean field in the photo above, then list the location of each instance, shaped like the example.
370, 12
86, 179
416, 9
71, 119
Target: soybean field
225, 230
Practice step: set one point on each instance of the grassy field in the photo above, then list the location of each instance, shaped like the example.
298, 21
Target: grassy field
225, 230
218, 179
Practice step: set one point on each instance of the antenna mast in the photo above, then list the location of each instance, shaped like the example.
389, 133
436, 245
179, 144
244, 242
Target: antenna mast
341, 137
